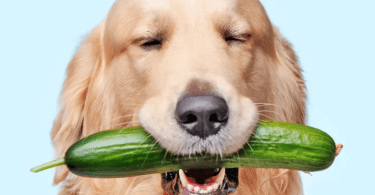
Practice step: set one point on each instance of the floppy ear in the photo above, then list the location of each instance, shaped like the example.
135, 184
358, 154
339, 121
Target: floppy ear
68, 125
289, 90
287, 85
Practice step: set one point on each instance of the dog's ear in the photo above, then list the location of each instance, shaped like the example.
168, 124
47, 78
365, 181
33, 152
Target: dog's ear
288, 90
68, 125
287, 94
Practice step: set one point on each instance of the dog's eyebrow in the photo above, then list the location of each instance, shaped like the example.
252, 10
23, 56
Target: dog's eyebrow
160, 36
141, 39
226, 25
159, 28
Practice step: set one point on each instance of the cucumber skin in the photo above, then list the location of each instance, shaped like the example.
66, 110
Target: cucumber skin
132, 151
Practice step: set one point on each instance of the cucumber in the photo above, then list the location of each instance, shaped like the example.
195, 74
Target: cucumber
132, 151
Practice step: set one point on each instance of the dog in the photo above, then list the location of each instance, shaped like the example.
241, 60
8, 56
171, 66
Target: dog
197, 75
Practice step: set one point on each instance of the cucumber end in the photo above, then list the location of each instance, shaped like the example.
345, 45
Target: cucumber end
51, 164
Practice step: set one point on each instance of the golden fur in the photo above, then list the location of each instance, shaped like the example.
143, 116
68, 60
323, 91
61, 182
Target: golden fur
114, 81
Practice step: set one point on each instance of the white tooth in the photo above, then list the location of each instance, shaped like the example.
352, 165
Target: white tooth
220, 177
203, 192
190, 187
183, 178
196, 189
215, 186
210, 188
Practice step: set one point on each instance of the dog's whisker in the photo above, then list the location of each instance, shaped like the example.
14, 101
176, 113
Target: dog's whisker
234, 141
128, 115
179, 149
144, 142
165, 155
111, 127
114, 125
270, 118
269, 104
124, 123
275, 112
254, 133
263, 103
156, 141
221, 154
251, 148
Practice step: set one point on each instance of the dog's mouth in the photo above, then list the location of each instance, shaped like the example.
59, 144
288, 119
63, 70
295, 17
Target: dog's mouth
215, 181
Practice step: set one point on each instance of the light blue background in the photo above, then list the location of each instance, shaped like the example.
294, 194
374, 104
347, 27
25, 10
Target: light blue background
334, 40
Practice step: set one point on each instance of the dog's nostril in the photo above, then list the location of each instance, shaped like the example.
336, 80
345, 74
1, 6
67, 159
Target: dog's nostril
188, 118
202, 115
214, 118
218, 117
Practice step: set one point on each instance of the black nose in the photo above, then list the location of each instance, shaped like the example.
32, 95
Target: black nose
202, 115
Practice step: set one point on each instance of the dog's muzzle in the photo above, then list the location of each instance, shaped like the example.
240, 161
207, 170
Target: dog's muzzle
202, 116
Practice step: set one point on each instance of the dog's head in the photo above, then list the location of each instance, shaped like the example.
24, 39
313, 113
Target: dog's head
197, 75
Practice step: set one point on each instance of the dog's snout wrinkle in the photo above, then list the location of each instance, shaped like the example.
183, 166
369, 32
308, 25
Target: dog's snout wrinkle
202, 115
199, 87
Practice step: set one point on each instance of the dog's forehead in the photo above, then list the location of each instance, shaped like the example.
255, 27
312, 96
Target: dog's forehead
196, 11
131, 19
190, 5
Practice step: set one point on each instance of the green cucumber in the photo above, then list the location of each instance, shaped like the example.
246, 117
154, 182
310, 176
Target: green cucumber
132, 151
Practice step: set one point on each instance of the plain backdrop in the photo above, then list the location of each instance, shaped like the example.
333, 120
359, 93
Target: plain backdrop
333, 39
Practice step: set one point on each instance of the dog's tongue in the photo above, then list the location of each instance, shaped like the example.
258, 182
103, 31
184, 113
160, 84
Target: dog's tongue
201, 176
210, 181
201, 181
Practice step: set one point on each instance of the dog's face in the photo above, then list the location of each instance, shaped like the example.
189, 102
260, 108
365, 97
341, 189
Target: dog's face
197, 75
187, 48
192, 66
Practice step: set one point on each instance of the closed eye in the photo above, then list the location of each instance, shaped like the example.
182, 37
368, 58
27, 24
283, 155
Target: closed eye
151, 44
231, 38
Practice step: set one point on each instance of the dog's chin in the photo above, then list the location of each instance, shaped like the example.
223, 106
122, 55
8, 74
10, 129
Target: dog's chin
215, 181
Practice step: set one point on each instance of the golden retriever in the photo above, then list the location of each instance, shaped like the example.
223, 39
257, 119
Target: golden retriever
197, 75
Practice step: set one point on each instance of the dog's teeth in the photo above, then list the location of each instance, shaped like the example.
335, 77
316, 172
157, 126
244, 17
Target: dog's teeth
220, 177
183, 178
190, 187
196, 189
215, 186
210, 188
